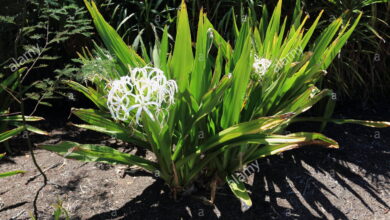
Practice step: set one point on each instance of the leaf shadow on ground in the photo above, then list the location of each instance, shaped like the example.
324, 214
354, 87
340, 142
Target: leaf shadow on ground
310, 183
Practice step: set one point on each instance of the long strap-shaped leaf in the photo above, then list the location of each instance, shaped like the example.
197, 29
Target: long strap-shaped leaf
200, 76
113, 41
19, 118
281, 143
373, 124
90, 93
182, 59
235, 98
11, 173
9, 134
98, 153
101, 122
36, 130
305, 101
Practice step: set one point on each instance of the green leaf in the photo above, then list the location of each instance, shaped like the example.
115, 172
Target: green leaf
182, 59
200, 76
98, 153
328, 111
323, 41
102, 122
373, 124
217, 69
219, 42
113, 41
305, 101
275, 144
12, 173
234, 99
213, 97
11, 133
36, 130
261, 125
90, 93
20, 118
336, 46
160, 144
9, 82
239, 190
164, 52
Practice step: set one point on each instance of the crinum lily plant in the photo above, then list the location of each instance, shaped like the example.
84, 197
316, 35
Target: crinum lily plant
206, 110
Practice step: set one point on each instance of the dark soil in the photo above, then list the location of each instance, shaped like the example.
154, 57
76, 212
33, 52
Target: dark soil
311, 183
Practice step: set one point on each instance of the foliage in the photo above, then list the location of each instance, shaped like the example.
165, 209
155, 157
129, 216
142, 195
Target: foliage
7, 120
231, 104
362, 63
37, 32
139, 22
59, 212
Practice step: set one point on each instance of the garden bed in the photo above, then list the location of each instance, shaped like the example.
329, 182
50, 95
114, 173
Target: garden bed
350, 183
195, 104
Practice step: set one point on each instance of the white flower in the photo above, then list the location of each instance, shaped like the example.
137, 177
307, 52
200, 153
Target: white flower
144, 90
260, 66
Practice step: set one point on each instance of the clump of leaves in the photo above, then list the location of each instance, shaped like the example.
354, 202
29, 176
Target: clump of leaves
138, 22
240, 99
362, 64
12, 124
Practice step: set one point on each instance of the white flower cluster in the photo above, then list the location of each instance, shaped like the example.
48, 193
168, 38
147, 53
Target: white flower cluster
145, 89
260, 66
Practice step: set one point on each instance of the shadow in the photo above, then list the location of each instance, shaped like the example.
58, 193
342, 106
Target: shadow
155, 202
318, 183
13, 206
138, 172
71, 185
7, 160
